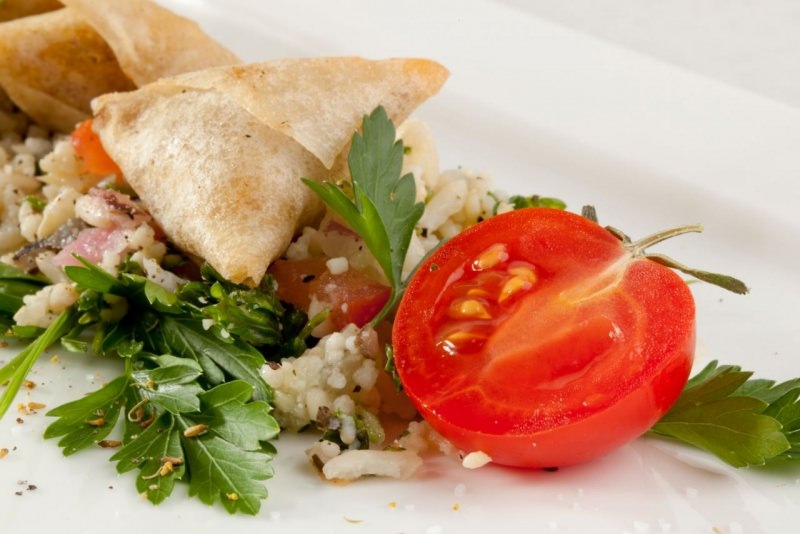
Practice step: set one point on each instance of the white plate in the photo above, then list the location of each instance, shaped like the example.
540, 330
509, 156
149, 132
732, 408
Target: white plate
548, 111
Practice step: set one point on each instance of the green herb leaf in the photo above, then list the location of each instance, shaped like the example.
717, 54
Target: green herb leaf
36, 203
252, 315
245, 425
170, 396
160, 440
14, 285
88, 420
391, 368
384, 210
174, 370
719, 412
187, 338
221, 471
536, 201
90, 276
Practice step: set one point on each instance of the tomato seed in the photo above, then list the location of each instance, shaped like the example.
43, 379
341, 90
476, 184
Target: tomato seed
514, 285
469, 309
490, 257
525, 273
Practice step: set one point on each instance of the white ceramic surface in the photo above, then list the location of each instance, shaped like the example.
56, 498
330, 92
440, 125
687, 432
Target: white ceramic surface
547, 111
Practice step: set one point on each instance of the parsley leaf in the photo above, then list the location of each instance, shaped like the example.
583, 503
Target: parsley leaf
222, 471
171, 386
383, 210
162, 403
743, 422
88, 420
228, 415
14, 285
186, 337
160, 440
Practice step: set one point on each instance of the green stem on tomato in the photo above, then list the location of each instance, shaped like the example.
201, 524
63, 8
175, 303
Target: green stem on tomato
638, 249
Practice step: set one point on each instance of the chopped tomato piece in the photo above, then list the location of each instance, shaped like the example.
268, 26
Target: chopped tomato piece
94, 158
294, 279
352, 296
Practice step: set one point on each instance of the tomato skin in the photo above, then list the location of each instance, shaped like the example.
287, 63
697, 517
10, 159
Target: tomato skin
89, 149
587, 359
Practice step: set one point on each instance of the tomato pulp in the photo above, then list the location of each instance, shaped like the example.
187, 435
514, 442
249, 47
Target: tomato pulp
539, 339
351, 297
90, 150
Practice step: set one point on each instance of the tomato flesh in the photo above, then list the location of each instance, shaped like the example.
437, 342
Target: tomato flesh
94, 158
538, 339
351, 296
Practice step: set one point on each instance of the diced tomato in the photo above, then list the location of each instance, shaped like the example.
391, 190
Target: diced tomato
94, 158
352, 297
294, 279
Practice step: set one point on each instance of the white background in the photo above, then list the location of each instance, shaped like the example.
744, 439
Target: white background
752, 44
547, 109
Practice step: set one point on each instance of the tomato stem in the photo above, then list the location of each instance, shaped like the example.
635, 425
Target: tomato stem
639, 247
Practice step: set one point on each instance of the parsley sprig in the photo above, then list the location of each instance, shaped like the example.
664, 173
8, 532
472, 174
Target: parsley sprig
742, 421
383, 210
191, 396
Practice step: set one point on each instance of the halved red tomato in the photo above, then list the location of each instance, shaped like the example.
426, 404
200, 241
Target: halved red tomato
538, 338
